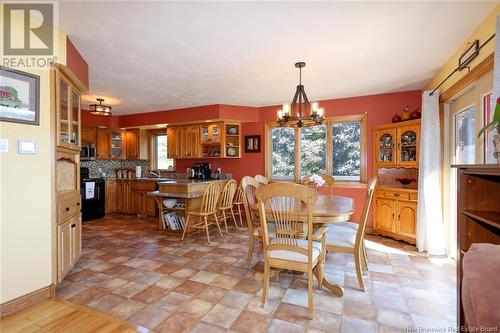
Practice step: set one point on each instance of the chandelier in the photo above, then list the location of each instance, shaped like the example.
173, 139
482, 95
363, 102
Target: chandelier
301, 113
100, 109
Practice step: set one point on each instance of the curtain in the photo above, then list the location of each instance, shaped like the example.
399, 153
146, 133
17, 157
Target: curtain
430, 235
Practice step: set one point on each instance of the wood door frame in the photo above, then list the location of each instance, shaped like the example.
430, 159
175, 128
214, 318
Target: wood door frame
482, 69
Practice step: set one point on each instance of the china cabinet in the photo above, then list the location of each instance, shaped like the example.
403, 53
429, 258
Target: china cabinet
396, 148
68, 222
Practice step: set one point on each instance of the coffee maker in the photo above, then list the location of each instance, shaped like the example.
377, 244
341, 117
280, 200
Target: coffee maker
202, 171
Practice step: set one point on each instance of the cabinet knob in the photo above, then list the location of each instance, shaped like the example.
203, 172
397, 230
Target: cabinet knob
73, 225
78, 204
67, 209
397, 194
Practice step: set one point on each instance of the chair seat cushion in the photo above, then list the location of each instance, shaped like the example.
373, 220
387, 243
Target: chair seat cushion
341, 236
347, 224
295, 256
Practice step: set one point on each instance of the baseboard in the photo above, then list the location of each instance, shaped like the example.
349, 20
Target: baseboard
21, 302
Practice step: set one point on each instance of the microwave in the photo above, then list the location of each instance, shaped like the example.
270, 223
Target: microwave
88, 152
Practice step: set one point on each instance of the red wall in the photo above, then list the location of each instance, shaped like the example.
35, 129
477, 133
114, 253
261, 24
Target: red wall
379, 110
76, 63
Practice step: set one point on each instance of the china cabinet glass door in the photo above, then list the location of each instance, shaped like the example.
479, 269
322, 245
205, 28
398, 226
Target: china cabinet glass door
385, 147
64, 126
75, 118
408, 146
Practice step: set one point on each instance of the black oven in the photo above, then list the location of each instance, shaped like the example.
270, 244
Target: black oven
88, 152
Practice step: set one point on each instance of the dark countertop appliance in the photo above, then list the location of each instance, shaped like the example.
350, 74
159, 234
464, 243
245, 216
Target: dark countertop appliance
92, 191
202, 171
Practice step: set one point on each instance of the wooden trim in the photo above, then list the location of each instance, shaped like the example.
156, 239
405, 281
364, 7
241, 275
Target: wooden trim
362, 118
483, 68
398, 124
72, 77
21, 302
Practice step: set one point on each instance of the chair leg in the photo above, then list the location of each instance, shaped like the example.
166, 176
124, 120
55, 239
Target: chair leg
320, 267
185, 226
310, 294
217, 222
224, 218
250, 251
239, 214
234, 218
206, 228
365, 258
266, 282
357, 264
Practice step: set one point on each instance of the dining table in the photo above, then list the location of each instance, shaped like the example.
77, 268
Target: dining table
331, 209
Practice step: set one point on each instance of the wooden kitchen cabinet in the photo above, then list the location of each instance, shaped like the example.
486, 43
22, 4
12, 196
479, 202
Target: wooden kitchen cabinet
89, 135
173, 141
69, 245
111, 144
408, 145
190, 141
110, 196
123, 196
407, 219
140, 203
385, 147
385, 215
397, 144
67, 97
396, 214
137, 144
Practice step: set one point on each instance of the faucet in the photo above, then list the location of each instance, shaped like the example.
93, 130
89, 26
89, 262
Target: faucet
157, 174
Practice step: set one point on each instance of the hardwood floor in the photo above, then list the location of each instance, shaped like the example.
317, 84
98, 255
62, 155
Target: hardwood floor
61, 316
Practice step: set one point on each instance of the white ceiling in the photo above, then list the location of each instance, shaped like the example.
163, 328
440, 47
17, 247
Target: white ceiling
149, 56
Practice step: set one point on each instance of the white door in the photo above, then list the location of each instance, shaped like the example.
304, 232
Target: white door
464, 115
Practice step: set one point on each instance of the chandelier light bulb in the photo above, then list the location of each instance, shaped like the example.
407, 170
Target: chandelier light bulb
280, 114
286, 109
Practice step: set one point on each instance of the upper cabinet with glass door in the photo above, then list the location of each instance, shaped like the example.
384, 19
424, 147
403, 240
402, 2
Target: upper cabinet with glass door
385, 146
68, 113
408, 145
397, 145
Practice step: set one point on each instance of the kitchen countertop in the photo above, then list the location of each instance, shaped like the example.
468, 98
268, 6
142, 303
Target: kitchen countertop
185, 181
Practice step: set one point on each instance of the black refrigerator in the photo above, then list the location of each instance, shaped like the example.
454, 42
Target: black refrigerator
92, 191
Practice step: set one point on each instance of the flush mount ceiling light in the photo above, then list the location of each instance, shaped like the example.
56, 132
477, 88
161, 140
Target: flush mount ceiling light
301, 113
100, 109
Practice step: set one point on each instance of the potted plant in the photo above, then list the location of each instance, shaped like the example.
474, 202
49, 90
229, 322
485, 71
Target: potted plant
494, 125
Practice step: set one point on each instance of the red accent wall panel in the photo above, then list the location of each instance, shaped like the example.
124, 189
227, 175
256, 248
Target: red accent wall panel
76, 63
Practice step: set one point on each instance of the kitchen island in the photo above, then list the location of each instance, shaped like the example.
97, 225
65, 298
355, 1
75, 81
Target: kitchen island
187, 194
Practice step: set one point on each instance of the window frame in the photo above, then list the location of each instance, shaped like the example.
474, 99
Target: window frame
153, 151
329, 121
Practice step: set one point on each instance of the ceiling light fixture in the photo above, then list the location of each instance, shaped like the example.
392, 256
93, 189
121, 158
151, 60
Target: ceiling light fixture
100, 109
301, 113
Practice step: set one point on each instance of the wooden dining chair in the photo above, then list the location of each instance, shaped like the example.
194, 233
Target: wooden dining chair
207, 208
348, 239
249, 186
290, 205
238, 204
261, 179
225, 204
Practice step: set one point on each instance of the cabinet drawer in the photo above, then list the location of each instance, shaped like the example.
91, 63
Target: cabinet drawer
68, 206
144, 185
397, 194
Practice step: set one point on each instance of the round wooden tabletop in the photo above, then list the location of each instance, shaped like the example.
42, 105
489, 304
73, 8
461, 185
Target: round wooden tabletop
332, 208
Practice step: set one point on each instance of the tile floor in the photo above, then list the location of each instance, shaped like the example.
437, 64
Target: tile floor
132, 271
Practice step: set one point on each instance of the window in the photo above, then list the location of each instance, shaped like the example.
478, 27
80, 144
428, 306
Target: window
312, 150
160, 153
283, 153
346, 151
465, 136
336, 148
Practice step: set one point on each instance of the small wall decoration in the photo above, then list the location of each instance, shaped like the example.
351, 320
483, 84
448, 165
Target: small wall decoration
19, 97
406, 115
252, 144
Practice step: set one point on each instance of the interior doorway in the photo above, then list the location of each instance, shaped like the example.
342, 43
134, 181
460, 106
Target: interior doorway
464, 115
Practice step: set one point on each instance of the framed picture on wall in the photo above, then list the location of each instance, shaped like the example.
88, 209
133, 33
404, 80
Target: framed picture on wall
252, 144
19, 97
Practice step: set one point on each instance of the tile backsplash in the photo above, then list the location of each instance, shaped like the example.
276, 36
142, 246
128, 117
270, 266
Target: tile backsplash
110, 166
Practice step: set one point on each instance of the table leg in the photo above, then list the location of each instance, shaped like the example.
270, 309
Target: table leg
334, 288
